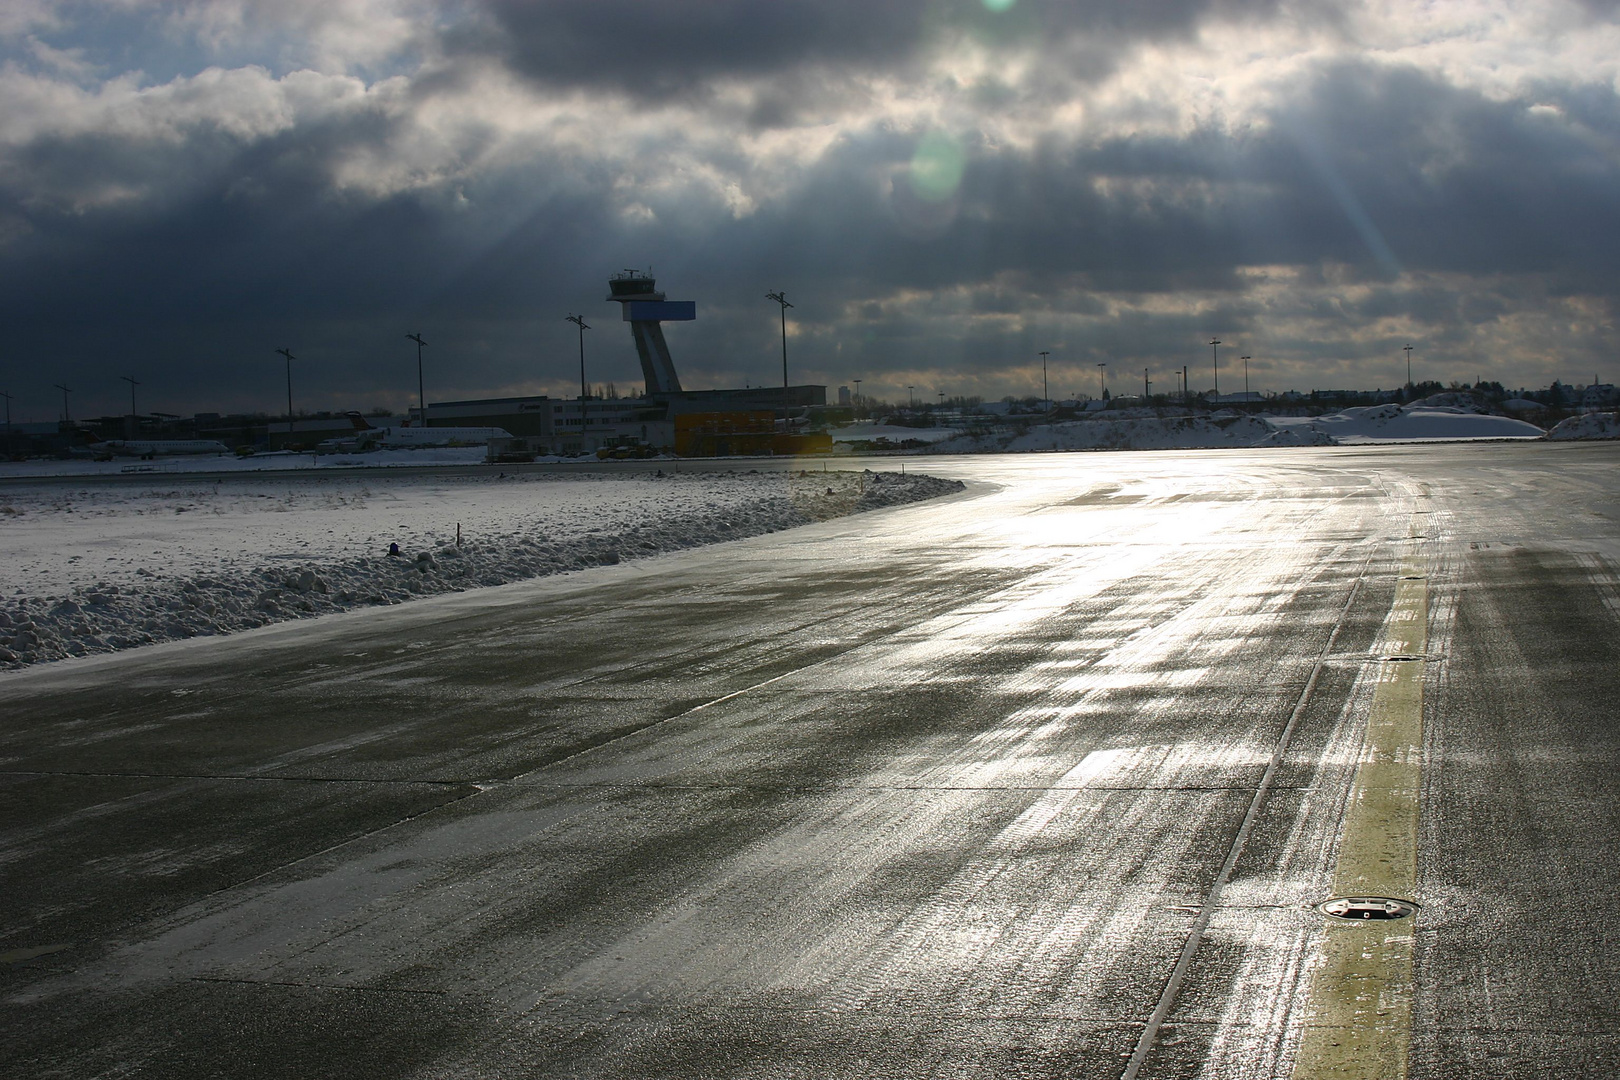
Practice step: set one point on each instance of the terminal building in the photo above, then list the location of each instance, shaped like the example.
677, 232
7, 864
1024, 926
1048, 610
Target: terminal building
667, 416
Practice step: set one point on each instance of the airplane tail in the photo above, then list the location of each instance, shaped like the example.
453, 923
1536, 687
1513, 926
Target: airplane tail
360, 423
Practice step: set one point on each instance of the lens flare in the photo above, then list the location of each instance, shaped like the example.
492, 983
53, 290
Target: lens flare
936, 167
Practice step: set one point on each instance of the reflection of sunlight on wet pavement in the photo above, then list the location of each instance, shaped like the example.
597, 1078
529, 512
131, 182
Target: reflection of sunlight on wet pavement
959, 772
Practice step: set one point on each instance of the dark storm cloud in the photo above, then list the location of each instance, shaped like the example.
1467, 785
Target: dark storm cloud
1454, 183
653, 51
1450, 180
232, 245
219, 217
184, 250
1453, 180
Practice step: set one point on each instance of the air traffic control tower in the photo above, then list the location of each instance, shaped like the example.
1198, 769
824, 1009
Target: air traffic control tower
645, 309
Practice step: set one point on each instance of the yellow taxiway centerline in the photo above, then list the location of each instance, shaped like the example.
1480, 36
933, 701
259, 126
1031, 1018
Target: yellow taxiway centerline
1359, 1019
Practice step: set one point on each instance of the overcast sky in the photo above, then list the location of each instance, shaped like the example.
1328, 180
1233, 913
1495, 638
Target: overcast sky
943, 188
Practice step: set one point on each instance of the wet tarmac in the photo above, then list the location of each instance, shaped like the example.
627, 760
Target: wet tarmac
1040, 780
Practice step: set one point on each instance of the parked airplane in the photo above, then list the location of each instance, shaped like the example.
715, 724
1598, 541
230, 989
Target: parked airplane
151, 448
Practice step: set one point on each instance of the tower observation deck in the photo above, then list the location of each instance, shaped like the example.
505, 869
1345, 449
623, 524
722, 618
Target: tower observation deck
646, 310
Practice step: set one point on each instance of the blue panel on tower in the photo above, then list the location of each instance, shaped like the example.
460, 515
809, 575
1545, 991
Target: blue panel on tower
660, 310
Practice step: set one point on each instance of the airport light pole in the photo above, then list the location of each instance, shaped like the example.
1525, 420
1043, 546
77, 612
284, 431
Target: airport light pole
1045, 395
1215, 354
579, 321
781, 298
1102, 379
11, 446
857, 397
1147, 385
67, 417
1246, 360
1409, 365
421, 396
134, 417
290, 358
911, 400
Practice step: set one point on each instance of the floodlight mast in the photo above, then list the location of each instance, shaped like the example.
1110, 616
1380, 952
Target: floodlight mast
1102, 379
421, 396
1246, 360
781, 298
290, 358
1215, 355
134, 417
67, 417
1409, 365
1045, 394
11, 448
579, 321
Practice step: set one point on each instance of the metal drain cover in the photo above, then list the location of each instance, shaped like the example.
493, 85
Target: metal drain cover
1359, 908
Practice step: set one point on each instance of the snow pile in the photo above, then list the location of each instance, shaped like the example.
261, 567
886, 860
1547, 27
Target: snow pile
1300, 435
1417, 422
1465, 400
1146, 433
1429, 420
1589, 426
97, 567
869, 430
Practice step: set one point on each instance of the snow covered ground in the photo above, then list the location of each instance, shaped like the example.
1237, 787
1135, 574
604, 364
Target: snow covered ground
95, 565
1417, 422
270, 462
1132, 433
1589, 426
863, 430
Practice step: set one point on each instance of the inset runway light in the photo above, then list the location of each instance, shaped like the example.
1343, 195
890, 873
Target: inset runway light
1362, 908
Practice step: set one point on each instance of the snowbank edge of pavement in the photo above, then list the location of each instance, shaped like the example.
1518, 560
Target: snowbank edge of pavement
92, 620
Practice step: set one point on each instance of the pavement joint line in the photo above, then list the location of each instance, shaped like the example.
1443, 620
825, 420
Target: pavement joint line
1359, 1010
836, 787
318, 986
481, 787
640, 728
1195, 934
238, 776
861, 642
576, 1004
478, 789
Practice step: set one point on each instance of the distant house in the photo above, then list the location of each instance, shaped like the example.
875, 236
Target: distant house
1600, 396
